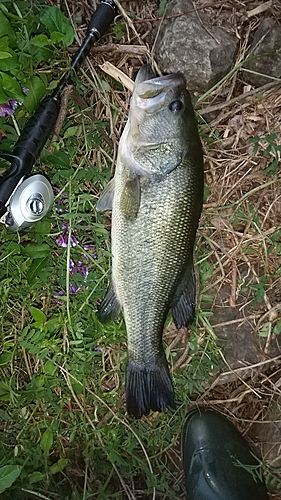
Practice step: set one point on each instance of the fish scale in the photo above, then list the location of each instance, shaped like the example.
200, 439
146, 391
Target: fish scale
156, 200
145, 300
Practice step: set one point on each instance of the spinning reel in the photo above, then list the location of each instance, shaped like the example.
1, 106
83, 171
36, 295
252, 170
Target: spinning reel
25, 198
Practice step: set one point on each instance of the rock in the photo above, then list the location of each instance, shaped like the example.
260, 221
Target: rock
269, 434
267, 44
235, 328
204, 53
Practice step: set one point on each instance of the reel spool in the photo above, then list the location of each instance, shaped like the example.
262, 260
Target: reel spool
29, 203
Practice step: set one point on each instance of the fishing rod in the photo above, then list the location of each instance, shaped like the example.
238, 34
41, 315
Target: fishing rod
25, 198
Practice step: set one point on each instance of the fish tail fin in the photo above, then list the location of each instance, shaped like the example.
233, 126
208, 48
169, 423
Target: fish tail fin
148, 387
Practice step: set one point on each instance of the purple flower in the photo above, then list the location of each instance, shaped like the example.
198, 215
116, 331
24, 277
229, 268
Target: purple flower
82, 269
98, 348
8, 109
72, 266
73, 241
57, 295
79, 267
61, 200
89, 247
58, 190
73, 290
61, 293
94, 255
13, 104
62, 240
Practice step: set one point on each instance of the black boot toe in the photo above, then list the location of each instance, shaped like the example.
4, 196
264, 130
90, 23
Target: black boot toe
217, 460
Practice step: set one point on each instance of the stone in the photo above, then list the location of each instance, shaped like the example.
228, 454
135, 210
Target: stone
204, 53
266, 44
235, 328
268, 434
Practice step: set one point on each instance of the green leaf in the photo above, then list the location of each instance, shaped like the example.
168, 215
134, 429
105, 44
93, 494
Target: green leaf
35, 268
5, 394
47, 440
55, 20
58, 466
5, 359
37, 90
35, 477
119, 29
43, 227
71, 132
40, 53
8, 475
49, 368
5, 55
53, 325
38, 251
57, 159
277, 328
10, 86
162, 7
43, 353
11, 63
67, 173
3, 96
39, 381
4, 42
6, 29
4, 415
105, 85
56, 37
38, 315
40, 40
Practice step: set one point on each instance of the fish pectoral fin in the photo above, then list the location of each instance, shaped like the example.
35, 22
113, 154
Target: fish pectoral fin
130, 199
110, 306
105, 201
183, 305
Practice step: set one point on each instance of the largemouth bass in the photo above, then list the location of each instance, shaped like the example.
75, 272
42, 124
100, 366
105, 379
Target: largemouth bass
156, 200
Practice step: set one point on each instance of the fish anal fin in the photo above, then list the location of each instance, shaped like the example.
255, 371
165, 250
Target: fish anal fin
184, 301
148, 387
110, 306
105, 200
130, 198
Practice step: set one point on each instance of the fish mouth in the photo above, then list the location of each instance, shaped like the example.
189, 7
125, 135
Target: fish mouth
150, 91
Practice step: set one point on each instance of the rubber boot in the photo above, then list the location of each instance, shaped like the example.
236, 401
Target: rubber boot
218, 463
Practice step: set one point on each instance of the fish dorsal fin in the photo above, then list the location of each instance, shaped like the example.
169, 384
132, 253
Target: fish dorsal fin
130, 199
105, 201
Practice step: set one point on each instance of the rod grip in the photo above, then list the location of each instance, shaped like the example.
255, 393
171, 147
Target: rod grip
102, 17
38, 128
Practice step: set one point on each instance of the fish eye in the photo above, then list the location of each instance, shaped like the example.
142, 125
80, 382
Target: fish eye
175, 106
